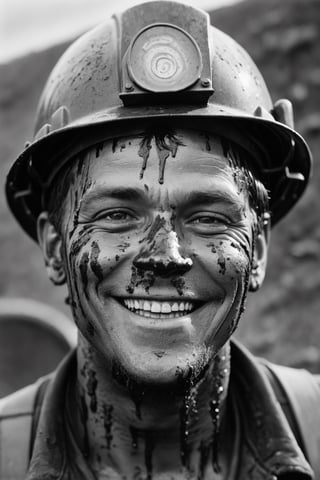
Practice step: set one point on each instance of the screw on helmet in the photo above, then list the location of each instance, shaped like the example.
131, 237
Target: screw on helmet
159, 61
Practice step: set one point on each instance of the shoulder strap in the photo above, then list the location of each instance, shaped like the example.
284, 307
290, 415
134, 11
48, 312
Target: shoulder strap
302, 392
16, 423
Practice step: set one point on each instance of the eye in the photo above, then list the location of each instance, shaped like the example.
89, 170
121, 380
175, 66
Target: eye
118, 216
208, 220
208, 223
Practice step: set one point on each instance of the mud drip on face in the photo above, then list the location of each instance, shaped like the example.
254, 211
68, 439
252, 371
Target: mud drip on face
99, 149
207, 141
92, 384
204, 451
219, 374
134, 438
144, 152
84, 420
166, 144
135, 390
107, 423
188, 409
149, 446
84, 184
189, 385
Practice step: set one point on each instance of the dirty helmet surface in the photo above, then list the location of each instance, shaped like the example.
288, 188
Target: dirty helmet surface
157, 62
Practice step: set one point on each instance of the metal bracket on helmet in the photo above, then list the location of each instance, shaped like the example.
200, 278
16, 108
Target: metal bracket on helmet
60, 118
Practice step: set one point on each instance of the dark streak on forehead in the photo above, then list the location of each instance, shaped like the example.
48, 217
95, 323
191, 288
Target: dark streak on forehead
166, 143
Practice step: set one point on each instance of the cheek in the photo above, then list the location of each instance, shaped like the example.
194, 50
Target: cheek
229, 259
93, 255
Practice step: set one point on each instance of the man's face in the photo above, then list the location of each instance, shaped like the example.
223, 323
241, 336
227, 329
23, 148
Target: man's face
157, 272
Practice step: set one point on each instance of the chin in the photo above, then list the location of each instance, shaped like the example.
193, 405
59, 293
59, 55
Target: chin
163, 368
156, 351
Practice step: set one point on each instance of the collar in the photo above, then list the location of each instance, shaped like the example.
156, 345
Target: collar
269, 450
49, 456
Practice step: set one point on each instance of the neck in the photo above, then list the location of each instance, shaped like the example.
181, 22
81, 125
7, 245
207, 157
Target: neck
132, 430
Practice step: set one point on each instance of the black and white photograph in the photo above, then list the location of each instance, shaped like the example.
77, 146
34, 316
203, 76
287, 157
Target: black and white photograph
160, 240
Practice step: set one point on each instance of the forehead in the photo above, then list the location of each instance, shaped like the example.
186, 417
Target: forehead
169, 164
183, 151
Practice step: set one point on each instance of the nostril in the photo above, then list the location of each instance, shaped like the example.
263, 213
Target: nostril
164, 267
163, 256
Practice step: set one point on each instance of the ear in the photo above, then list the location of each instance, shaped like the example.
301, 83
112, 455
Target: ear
51, 244
260, 257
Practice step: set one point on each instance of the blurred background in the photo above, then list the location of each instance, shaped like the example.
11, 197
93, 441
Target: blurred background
282, 321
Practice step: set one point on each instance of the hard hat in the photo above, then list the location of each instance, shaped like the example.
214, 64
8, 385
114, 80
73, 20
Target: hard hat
158, 61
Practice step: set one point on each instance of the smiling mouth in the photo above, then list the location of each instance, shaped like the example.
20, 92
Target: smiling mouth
159, 309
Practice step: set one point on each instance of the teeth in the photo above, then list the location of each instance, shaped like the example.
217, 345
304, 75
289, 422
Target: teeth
136, 304
165, 307
160, 309
146, 306
175, 307
155, 307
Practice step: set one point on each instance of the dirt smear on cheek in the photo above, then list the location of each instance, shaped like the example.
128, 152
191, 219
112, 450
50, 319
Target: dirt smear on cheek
84, 271
222, 262
217, 249
94, 263
84, 237
241, 267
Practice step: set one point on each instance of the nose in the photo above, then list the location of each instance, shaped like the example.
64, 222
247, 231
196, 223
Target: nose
163, 256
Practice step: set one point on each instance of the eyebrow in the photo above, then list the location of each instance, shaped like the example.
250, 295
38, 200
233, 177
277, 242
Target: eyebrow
139, 195
200, 197
119, 193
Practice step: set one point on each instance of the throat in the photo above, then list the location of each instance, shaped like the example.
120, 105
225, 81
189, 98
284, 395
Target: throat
175, 435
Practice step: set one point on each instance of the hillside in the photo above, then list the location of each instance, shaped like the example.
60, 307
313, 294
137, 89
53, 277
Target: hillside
282, 320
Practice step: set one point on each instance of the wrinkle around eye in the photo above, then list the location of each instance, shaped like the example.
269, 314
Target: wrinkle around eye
238, 239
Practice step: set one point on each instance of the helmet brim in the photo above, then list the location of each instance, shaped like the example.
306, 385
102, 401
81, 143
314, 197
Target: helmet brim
285, 178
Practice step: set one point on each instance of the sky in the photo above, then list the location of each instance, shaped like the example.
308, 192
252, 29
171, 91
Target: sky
32, 25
